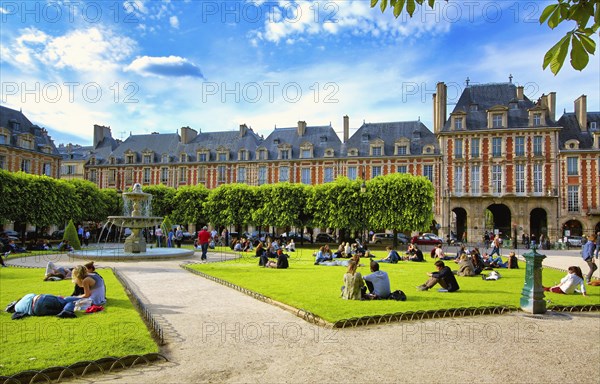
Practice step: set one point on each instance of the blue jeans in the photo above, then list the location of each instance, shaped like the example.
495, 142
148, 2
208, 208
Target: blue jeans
69, 303
204, 250
495, 250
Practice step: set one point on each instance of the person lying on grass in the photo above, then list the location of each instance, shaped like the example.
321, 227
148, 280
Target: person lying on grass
568, 283
56, 272
93, 288
38, 305
443, 276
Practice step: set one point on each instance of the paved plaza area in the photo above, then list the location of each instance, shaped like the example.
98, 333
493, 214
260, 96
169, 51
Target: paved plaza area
217, 334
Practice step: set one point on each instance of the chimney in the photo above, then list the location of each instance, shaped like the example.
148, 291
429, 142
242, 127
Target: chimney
346, 128
301, 128
581, 112
100, 133
551, 104
187, 135
439, 107
520, 92
243, 130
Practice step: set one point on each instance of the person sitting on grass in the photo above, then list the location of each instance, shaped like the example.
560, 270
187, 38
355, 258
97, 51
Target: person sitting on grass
291, 246
465, 266
392, 256
64, 246
340, 251
414, 253
511, 262
323, 255
281, 263
2, 259
14, 248
477, 261
353, 283
378, 283
93, 288
568, 283
443, 276
237, 246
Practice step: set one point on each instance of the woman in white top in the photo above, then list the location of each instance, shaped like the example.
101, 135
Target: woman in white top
568, 283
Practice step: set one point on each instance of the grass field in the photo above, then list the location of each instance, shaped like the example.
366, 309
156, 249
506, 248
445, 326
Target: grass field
317, 288
42, 342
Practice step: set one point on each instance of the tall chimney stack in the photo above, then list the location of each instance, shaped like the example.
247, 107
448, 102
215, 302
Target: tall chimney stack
439, 107
581, 112
346, 128
520, 93
301, 128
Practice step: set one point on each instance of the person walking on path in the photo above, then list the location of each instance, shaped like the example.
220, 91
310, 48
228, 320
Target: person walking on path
203, 240
587, 253
495, 246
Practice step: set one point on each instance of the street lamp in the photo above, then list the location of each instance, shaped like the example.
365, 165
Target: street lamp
363, 189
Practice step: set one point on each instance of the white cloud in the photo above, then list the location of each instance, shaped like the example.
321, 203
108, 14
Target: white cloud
174, 21
92, 49
171, 66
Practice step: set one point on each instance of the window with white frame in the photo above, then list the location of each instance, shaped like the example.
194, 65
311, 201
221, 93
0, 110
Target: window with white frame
164, 175
497, 120
376, 170
130, 159
284, 173
402, 149
328, 175
26, 165
496, 147
129, 175
458, 148
520, 178
93, 175
352, 173
183, 157
306, 153
182, 174
221, 174
537, 178
112, 175
537, 119
3, 139
47, 169
305, 176
475, 179
496, 179
222, 156
458, 179
537, 146
68, 169
241, 174
146, 175
402, 169
284, 154
147, 159
475, 148
203, 156
262, 154
376, 151
572, 166
573, 198
428, 172
519, 146
262, 175
201, 173
458, 122
243, 154
165, 158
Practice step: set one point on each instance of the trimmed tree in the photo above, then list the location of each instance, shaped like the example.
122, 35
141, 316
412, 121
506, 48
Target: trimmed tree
189, 205
163, 199
71, 235
231, 205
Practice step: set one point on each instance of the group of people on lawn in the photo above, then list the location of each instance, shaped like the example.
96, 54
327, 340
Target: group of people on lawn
89, 293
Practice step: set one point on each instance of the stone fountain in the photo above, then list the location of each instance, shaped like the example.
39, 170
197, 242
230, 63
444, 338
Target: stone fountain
137, 216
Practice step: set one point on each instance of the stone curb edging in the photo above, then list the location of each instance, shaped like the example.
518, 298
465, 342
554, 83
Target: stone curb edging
301, 313
147, 315
82, 368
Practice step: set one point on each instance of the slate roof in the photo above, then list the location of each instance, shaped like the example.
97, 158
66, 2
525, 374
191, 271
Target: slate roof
321, 138
570, 130
158, 143
418, 134
231, 140
486, 96
75, 152
10, 116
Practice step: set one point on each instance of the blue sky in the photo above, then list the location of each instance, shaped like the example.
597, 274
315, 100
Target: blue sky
155, 65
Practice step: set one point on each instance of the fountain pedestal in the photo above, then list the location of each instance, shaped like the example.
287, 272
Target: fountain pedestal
135, 243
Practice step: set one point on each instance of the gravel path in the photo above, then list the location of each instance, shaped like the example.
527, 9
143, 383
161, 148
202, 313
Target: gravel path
216, 334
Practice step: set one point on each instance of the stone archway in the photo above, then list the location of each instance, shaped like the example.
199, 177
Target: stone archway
501, 218
538, 222
460, 222
574, 227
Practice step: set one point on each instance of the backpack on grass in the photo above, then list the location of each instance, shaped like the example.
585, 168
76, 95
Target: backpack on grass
397, 295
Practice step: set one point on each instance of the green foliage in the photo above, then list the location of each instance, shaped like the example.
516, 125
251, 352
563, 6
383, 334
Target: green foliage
43, 342
71, 235
188, 205
338, 205
584, 13
12, 186
163, 199
282, 205
166, 225
231, 204
112, 201
91, 200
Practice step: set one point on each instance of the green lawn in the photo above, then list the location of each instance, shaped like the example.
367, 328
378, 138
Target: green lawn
42, 342
317, 288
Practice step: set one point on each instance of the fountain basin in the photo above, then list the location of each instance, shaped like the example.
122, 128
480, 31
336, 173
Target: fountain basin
119, 254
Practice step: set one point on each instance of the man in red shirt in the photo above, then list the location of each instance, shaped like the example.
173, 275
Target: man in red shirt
203, 240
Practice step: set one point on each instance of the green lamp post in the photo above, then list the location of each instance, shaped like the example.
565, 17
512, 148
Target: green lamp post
532, 296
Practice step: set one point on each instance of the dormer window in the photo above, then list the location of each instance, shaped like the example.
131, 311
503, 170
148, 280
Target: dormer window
243, 155
203, 155
323, 139
261, 154
129, 159
537, 119
112, 160
428, 149
183, 158
473, 107
401, 150
593, 126
276, 141
147, 158
223, 156
92, 161
458, 123
329, 152
306, 151
284, 154
165, 158
497, 120
3, 139
376, 151
365, 138
353, 152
